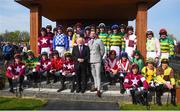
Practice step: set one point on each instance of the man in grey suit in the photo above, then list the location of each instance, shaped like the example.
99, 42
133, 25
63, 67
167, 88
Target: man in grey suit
97, 51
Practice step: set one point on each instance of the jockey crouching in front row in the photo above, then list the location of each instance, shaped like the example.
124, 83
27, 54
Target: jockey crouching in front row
149, 72
56, 66
15, 72
31, 72
43, 67
166, 82
68, 72
110, 66
123, 68
137, 85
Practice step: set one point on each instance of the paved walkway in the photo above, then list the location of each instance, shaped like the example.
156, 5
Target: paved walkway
80, 105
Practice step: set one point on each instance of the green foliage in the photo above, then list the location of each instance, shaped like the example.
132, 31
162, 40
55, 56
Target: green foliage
16, 36
20, 104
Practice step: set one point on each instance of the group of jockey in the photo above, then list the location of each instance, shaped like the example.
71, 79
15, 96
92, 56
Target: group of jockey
122, 62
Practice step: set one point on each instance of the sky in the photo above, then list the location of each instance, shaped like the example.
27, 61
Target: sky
165, 14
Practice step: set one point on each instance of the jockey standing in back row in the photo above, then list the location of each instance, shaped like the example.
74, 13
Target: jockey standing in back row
116, 40
152, 45
87, 31
104, 38
50, 35
166, 45
77, 30
130, 42
60, 41
70, 36
44, 42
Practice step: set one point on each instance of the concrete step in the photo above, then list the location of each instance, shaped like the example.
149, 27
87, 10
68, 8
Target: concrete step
51, 93
109, 96
104, 85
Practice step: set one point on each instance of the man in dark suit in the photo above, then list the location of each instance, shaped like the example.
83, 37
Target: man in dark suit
81, 54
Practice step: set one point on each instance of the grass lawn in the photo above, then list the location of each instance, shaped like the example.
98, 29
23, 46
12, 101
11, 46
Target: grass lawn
129, 106
7, 103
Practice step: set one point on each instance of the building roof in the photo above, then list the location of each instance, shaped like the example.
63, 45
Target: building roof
88, 9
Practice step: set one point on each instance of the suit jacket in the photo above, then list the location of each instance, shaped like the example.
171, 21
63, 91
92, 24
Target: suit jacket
96, 50
85, 54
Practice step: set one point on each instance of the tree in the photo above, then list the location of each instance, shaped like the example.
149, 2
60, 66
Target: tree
15, 36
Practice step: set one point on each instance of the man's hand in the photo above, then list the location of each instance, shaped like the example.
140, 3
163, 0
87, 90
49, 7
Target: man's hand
168, 85
80, 60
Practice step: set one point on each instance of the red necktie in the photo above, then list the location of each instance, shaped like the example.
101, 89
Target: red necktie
81, 48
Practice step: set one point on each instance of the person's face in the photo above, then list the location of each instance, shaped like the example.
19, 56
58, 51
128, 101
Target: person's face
101, 29
92, 34
135, 70
44, 57
93, 30
55, 32
60, 31
30, 56
43, 33
87, 32
78, 28
13, 43
109, 31
115, 31
55, 56
136, 56
48, 30
112, 56
80, 41
122, 30
97, 30
124, 58
163, 36
68, 58
150, 65
164, 66
17, 60
156, 60
70, 33
130, 32
149, 36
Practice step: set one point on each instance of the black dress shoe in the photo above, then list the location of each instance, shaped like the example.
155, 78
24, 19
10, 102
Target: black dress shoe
61, 89
55, 80
72, 90
93, 89
48, 82
98, 94
35, 85
12, 90
82, 91
20, 89
78, 90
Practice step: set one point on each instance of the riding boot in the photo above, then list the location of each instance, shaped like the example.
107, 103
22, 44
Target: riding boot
173, 96
73, 84
158, 98
48, 78
62, 85
122, 90
133, 97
